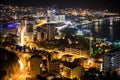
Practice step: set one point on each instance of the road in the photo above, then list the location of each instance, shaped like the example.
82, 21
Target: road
21, 74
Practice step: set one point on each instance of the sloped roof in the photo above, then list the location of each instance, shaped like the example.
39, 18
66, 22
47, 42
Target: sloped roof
67, 55
71, 65
35, 56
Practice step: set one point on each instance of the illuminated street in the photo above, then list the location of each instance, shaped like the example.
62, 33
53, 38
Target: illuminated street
59, 40
21, 74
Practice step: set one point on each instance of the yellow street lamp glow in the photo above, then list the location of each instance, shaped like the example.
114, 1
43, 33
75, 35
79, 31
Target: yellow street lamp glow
42, 22
62, 73
21, 65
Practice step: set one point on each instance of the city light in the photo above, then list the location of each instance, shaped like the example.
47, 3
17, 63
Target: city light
42, 22
67, 42
21, 65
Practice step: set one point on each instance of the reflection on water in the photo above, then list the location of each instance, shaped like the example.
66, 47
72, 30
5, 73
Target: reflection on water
105, 30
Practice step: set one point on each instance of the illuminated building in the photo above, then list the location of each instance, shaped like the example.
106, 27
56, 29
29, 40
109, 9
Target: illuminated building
46, 32
35, 65
53, 17
111, 60
76, 52
41, 34
60, 18
53, 66
29, 37
30, 24
50, 29
30, 27
72, 70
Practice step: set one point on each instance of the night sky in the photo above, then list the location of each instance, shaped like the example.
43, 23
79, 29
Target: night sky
90, 4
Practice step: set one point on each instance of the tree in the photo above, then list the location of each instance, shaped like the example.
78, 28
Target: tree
93, 73
8, 61
69, 32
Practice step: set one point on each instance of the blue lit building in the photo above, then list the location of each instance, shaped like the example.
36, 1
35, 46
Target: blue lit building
8, 28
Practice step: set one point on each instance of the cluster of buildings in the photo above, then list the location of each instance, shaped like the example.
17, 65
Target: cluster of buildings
57, 68
111, 61
33, 28
39, 24
70, 67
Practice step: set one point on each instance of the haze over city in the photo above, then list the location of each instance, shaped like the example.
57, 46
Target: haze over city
86, 4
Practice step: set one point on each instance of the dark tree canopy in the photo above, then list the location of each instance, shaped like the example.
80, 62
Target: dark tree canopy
8, 60
68, 32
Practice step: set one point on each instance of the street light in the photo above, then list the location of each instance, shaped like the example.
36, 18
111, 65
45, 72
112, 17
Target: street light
21, 65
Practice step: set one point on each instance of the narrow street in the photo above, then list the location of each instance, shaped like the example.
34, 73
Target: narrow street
21, 74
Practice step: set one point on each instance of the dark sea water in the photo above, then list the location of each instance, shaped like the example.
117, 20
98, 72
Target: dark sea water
106, 30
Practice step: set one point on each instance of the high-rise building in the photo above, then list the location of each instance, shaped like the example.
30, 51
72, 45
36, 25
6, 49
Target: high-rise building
29, 37
53, 65
41, 34
60, 18
111, 60
30, 24
51, 15
29, 27
50, 29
